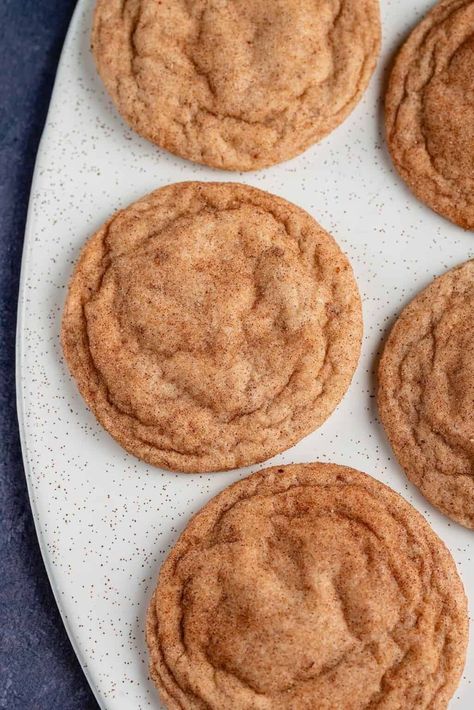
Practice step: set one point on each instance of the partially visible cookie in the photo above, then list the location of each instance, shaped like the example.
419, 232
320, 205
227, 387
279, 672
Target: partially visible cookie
307, 586
429, 111
211, 325
426, 392
238, 84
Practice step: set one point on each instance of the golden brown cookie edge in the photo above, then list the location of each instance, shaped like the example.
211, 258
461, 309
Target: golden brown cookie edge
232, 494
110, 83
385, 410
174, 461
394, 90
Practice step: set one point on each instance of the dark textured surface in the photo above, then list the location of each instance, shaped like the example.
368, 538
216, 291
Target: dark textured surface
38, 668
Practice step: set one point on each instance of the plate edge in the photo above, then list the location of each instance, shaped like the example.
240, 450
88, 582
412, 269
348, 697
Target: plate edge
20, 409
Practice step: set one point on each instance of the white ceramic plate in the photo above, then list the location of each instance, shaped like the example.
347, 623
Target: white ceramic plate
104, 519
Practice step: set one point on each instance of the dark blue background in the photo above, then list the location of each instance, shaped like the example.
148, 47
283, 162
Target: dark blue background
38, 669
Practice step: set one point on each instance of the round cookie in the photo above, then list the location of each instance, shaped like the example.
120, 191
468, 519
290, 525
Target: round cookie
239, 84
426, 392
307, 586
211, 325
429, 111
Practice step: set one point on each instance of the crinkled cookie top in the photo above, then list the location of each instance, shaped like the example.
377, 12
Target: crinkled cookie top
430, 111
237, 84
211, 325
426, 392
308, 586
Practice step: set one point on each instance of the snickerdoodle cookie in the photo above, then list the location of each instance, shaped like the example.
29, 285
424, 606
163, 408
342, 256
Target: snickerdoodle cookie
426, 392
430, 111
308, 586
211, 325
238, 84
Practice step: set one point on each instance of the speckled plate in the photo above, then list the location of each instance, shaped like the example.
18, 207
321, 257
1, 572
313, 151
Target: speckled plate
104, 519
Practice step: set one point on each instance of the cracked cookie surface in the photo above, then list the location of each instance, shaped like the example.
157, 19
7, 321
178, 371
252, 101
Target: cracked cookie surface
240, 84
211, 325
311, 585
426, 392
430, 111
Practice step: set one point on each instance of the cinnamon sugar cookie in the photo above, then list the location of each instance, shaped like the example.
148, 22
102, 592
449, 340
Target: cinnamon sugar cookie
430, 111
211, 325
307, 586
426, 392
238, 84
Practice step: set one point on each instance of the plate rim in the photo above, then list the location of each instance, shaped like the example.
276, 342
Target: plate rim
19, 380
